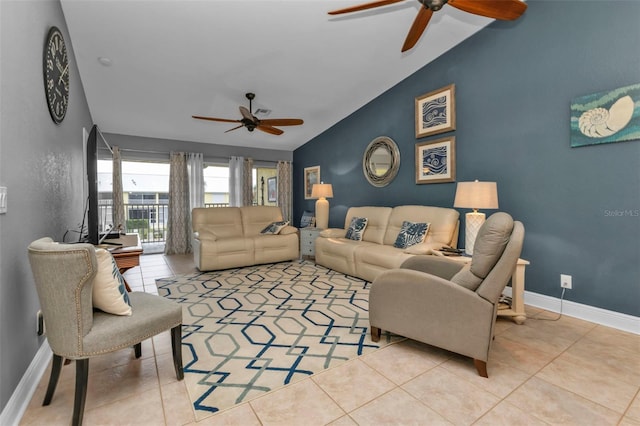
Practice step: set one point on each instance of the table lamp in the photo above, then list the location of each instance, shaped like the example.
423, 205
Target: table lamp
475, 195
322, 191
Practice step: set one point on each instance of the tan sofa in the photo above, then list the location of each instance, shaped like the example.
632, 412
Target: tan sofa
375, 254
229, 237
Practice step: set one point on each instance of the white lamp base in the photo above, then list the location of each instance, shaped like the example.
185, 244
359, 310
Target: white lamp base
322, 213
474, 221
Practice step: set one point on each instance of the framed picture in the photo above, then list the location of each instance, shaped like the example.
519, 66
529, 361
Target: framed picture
436, 112
311, 176
436, 161
272, 189
307, 219
606, 117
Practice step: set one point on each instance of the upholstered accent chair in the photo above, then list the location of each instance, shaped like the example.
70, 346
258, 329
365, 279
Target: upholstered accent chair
447, 303
64, 275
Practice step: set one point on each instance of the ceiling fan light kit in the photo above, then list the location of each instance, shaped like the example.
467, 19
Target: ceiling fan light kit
497, 9
251, 122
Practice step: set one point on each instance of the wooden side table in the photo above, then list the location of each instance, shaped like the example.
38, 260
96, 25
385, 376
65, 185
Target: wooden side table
308, 241
516, 311
127, 256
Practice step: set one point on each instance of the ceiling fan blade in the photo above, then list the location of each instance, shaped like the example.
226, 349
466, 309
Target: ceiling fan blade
364, 6
281, 122
235, 128
247, 114
269, 129
223, 120
506, 10
417, 28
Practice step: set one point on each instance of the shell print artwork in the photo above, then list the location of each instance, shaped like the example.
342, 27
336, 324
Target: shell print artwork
606, 117
602, 122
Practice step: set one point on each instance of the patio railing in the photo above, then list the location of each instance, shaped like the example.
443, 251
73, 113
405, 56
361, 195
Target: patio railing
148, 220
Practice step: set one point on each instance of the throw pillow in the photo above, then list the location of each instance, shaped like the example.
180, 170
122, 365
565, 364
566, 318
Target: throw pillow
356, 228
410, 234
274, 227
109, 292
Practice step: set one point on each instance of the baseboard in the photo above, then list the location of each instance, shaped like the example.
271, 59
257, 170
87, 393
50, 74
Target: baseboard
17, 404
600, 316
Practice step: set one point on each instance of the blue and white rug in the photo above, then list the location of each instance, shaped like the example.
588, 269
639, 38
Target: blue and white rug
250, 330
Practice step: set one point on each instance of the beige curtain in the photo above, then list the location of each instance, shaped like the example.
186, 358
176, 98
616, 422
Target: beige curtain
285, 189
119, 222
247, 182
179, 220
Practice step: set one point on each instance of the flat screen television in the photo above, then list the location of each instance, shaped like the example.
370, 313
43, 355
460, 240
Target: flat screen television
92, 215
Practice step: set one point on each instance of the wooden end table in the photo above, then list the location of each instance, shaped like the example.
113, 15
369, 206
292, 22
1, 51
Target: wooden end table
127, 256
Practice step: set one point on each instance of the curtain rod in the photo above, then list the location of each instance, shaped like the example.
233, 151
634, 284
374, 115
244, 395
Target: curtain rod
142, 151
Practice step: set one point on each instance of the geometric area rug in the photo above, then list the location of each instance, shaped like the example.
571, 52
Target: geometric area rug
247, 331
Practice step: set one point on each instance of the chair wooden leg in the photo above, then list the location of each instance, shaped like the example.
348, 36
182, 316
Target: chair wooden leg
82, 378
375, 334
56, 368
176, 348
137, 348
481, 366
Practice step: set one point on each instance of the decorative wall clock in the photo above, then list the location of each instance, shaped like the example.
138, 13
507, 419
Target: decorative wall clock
56, 75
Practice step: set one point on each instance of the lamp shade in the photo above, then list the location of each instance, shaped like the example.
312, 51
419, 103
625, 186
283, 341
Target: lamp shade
476, 195
321, 190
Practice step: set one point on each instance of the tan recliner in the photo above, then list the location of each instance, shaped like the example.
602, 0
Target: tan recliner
446, 303
64, 275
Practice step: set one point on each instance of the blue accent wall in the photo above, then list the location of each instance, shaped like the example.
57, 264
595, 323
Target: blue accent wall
514, 84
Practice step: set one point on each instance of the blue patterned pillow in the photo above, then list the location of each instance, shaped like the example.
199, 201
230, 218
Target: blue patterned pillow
274, 227
410, 234
356, 228
109, 292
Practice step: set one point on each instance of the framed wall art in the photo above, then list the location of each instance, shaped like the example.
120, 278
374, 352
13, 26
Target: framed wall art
606, 117
272, 189
436, 112
436, 161
311, 176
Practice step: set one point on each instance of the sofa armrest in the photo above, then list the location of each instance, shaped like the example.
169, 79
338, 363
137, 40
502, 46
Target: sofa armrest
333, 233
205, 235
422, 248
288, 230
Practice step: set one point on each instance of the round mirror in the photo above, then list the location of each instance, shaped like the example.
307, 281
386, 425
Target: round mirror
381, 161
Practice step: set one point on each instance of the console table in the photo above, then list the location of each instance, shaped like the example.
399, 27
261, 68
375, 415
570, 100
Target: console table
516, 310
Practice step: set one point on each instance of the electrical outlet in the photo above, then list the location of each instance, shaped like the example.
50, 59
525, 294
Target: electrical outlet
39, 323
565, 281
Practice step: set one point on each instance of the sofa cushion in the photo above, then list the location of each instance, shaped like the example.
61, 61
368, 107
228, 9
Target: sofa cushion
377, 218
410, 234
356, 228
223, 222
443, 223
274, 228
109, 292
256, 218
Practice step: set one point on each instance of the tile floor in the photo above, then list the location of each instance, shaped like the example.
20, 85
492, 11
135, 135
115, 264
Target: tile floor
568, 372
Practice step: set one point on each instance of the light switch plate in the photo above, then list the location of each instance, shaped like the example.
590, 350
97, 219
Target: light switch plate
3, 199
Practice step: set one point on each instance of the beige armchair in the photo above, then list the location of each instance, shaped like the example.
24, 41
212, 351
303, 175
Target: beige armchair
449, 304
64, 275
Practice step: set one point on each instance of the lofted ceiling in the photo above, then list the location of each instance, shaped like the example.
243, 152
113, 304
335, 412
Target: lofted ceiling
171, 59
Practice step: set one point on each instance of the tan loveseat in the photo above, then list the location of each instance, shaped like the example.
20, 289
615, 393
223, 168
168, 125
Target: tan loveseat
368, 258
229, 237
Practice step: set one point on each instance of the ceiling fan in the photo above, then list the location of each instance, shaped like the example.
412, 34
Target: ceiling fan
252, 122
507, 10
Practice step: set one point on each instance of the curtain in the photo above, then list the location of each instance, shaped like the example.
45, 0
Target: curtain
179, 220
235, 181
119, 222
196, 180
285, 189
247, 182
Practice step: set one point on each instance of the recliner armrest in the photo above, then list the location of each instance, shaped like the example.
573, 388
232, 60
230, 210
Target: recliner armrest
288, 230
434, 265
205, 235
